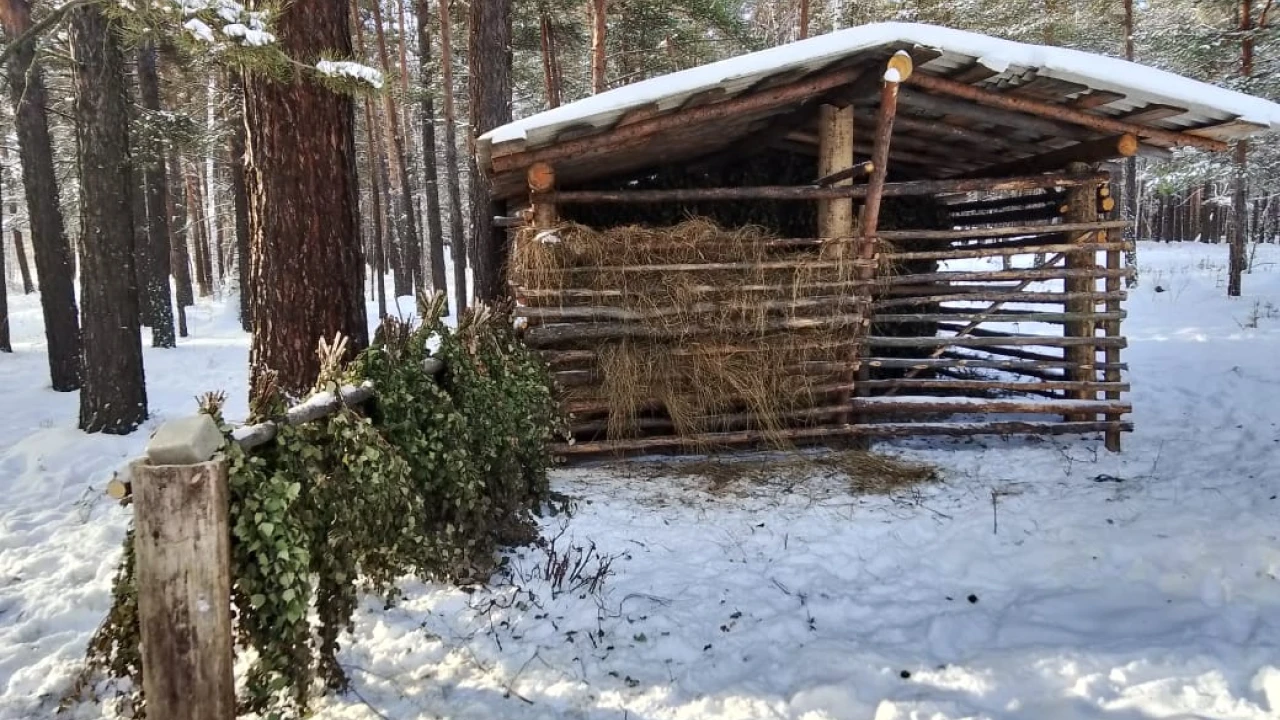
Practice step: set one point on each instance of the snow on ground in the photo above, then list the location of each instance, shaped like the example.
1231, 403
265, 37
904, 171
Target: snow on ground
1038, 579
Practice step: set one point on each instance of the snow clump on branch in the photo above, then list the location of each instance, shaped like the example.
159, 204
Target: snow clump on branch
348, 69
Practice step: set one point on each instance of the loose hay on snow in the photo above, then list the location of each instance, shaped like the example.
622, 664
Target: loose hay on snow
865, 472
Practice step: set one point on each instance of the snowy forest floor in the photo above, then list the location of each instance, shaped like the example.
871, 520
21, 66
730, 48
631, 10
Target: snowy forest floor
1035, 579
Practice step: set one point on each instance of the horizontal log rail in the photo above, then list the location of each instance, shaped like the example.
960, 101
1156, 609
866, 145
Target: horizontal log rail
972, 362
749, 437
544, 335
1004, 203
947, 314
987, 385
581, 406
973, 340
1021, 296
807, 263
1010, 231
951, 276
593, 313
1028, 248
810, 192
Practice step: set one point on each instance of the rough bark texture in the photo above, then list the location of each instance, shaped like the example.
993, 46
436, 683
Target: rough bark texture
457, 236
180, 256
49, 244
155, 184
308, 265
113, 398
431, 174
20, 249
599, 31
490, 91
240, 199
183, 546
5, 344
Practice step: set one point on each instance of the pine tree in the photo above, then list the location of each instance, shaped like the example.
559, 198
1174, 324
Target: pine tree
457, 236
155, 190
431, 172
307, 260
489, 57
54, 264
113, 398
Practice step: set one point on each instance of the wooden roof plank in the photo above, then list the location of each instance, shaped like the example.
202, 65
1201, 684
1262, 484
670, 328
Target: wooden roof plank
1095, 99
1060, 113
1152, 113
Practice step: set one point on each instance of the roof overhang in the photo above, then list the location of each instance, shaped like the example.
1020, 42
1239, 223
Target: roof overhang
965, 136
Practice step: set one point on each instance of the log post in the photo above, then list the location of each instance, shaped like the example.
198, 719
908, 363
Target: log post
897, 70
1112, 373
542, 181
1082, 207
183, 546
835, 155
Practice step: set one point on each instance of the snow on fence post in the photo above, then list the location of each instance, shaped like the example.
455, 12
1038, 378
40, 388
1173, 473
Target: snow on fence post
183, 545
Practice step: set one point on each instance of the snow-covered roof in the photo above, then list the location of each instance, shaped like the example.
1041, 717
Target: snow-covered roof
1206, 109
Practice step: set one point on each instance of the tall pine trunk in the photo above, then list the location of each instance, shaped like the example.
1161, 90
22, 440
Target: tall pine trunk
20, 251
179, 259
1239, 180
6, 343
54, 265
490, 92
431, 172
113, 398
308, 266
379, 243
1130, 170
599, 33
155, 184
405, 220
240, 202
457, 236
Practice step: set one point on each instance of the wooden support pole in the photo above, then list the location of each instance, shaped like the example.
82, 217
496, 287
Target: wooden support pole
183, 547
835, 155
1082, 208
1112, 326
1062, 113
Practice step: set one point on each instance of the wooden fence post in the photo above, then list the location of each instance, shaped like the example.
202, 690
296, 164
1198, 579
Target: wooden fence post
183, 546
1082, 207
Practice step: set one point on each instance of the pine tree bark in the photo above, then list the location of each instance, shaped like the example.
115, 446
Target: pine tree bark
155, 183
196, 231
431, 172
1130, 169
179, 262
457, 236
6, 343
490, 92
308, 265
240, 201
54, 265
379, 243
1239, 177
20, 250
550, 60
113, 398
599, 57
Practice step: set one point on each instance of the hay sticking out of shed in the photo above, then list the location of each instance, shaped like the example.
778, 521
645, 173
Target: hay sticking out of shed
697, 328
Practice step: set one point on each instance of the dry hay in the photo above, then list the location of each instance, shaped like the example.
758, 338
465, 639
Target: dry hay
740, 335
865, 473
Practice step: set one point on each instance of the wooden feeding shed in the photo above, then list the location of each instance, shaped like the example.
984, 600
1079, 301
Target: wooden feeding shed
891, 230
